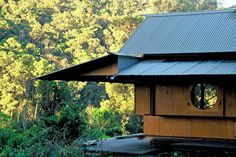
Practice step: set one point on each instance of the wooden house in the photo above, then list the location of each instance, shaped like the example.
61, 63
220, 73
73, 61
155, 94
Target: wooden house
183, 66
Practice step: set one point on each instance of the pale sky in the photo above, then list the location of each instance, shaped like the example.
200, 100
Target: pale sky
228, 3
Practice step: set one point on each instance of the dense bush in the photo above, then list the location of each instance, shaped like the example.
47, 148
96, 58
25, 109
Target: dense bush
134, 124
56, 135
103, 122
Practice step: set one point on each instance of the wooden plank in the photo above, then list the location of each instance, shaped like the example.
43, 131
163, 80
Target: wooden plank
171, 100
234, 129
230, 100
173, 127
189, 127
231, 128
142, 99
209, 128
107, 70
151, 125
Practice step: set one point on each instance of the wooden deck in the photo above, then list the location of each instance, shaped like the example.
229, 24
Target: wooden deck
141, 145
122, 145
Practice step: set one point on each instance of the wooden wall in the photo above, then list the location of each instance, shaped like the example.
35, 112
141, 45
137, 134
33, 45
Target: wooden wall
106, 70
175, 115
174, 100
230, 102
189, 127
142, 100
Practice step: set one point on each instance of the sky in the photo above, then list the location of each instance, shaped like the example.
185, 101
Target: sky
228, 3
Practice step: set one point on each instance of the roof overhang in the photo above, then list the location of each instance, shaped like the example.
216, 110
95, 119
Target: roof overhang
99, 70
103, 69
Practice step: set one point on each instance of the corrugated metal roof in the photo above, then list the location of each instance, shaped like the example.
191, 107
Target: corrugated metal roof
202, 32
175, 68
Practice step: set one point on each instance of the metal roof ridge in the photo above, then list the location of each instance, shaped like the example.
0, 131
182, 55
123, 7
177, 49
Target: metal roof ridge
190, 13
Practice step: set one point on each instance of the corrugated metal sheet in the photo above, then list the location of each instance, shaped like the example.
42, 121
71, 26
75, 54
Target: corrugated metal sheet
203, 32
174, 68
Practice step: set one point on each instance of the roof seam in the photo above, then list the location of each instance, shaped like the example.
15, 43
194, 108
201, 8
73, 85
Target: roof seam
191, 67
150, 36
169, 33
140, 25
189, 33
234, 69
212, 29
212, 68
170, 67
151, 66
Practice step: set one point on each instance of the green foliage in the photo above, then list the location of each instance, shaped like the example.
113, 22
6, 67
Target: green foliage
5, 130
104, 121
4, 120
51, 135
69, 120
92, 94
134, 124
160, 6
52, 96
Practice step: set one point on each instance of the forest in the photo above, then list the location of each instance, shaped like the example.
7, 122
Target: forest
53, 118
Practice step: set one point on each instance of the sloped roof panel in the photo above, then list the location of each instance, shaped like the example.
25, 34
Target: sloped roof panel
206, 32
139, 68
176, 68
159, 68
142, 34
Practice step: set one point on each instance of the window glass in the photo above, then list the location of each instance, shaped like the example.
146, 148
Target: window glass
203, 96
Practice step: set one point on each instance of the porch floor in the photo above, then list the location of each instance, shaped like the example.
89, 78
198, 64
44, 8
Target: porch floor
141, 145
123, 145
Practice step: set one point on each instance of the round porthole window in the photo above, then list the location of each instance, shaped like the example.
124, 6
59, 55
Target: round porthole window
203, 96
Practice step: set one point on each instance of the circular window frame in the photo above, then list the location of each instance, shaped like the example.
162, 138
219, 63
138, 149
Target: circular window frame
214, 106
